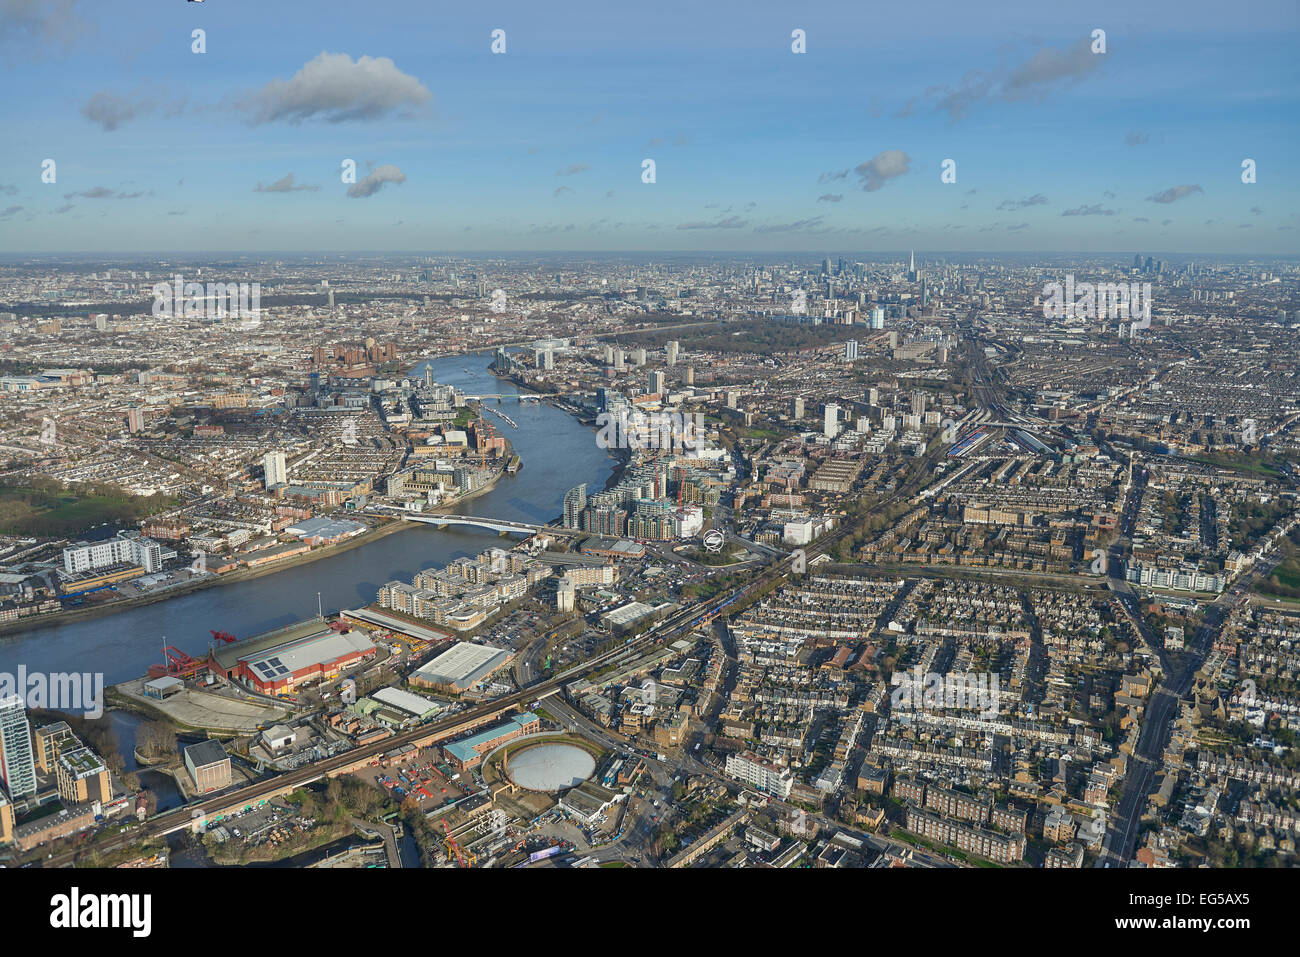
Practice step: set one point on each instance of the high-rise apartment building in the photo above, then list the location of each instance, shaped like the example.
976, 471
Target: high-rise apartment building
275, 469
17, 764
831, 420
575, 500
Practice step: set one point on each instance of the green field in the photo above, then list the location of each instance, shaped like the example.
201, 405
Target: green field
1253, 464
46, 510
1287, 575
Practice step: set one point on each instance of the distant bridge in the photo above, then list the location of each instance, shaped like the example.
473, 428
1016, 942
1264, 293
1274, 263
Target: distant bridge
500, 525
525, 397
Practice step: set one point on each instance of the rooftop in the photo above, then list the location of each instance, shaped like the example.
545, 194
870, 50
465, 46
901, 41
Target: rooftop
205, 753
463, 663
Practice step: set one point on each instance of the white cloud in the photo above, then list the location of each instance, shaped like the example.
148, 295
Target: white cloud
375, 180
336, 89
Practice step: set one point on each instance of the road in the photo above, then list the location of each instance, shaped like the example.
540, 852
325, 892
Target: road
182, 818
681, 622
1118, 846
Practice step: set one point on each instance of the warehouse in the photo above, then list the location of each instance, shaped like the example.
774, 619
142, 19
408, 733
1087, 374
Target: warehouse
462, 667
281, 660
324, 531
415, 705
209, 766
373, 618
468, 752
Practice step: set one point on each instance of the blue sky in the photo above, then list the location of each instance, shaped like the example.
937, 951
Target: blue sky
756, 148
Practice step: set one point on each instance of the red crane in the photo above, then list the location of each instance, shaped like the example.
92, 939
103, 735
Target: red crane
179, 665
222, 637
454, 848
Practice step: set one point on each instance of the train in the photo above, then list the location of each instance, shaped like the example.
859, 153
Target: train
968, 443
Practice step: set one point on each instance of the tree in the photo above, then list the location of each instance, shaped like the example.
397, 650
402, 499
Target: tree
156, 739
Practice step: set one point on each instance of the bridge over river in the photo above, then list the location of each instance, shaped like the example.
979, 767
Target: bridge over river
500, 525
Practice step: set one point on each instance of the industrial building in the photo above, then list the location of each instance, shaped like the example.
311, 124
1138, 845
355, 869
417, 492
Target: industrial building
616, 548
469, 752
324, 531
278, 737
588, 801
281, 660
462, 667
633, 613
417, 706
209, 766
164, 687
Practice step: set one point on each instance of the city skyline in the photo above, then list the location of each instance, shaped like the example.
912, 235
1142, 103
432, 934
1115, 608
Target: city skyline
734, 436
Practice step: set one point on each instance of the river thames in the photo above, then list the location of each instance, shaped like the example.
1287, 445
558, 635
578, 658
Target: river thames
557, 451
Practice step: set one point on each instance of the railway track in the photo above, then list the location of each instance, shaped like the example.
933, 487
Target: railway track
683, 621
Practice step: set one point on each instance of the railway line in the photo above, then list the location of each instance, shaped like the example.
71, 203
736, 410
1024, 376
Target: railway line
680, 622
230, 801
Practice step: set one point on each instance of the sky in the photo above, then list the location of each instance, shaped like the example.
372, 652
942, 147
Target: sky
1054, 145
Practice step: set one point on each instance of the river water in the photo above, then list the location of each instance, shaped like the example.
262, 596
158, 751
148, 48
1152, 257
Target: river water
557, 452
